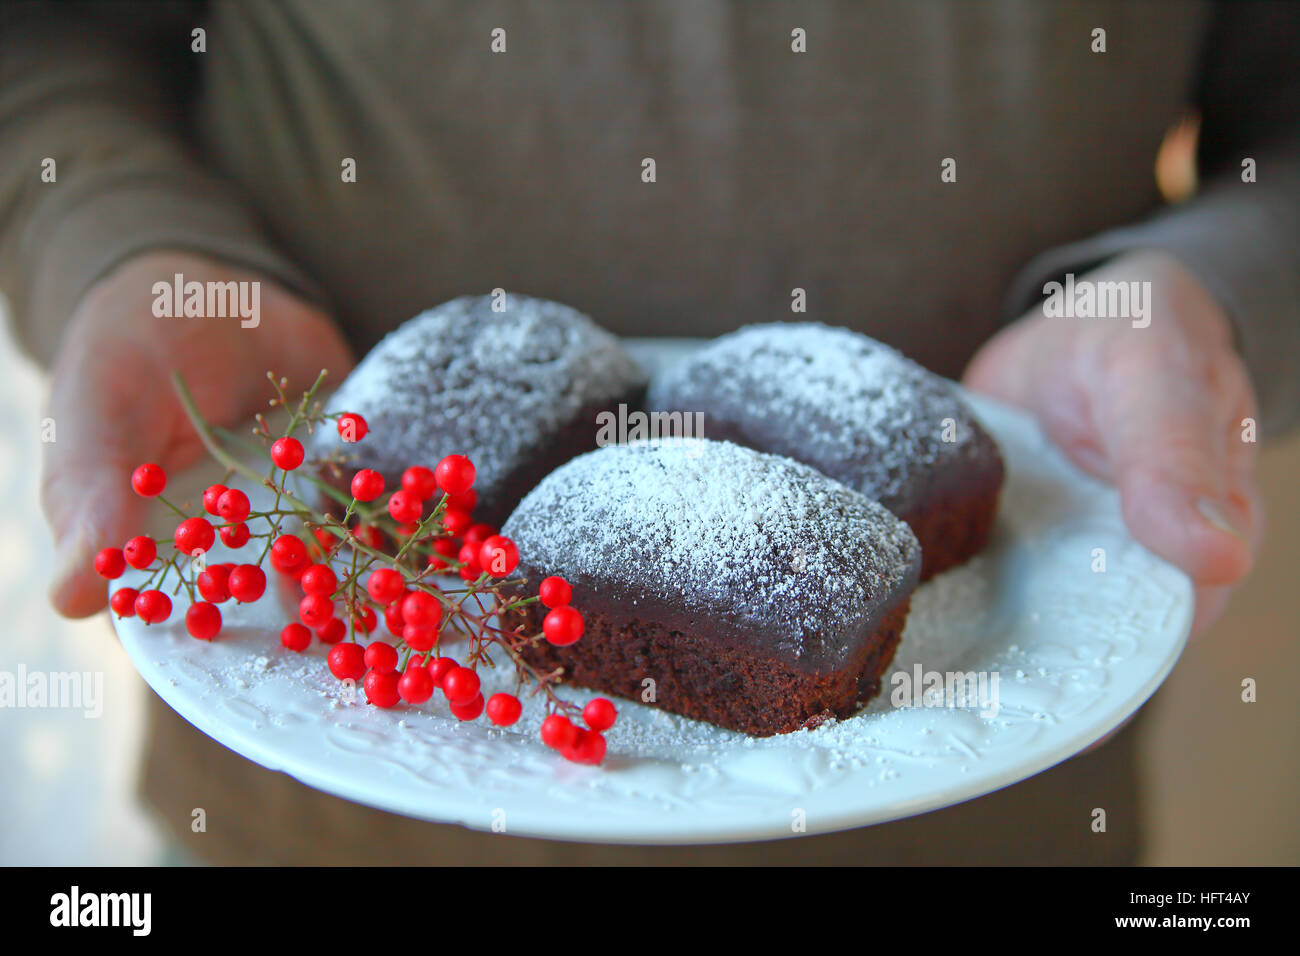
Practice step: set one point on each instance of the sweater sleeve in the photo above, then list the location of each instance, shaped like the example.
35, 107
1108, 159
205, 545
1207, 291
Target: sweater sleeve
97, 166
1242, 239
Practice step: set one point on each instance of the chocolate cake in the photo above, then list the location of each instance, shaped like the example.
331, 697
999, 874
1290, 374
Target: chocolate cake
517, 391
718, 582
856, 410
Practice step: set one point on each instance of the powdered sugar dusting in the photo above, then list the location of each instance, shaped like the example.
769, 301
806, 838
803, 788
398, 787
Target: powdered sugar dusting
850, 406
724, 533
464, 379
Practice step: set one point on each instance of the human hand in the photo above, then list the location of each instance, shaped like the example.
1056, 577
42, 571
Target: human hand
114, 407
1156, 411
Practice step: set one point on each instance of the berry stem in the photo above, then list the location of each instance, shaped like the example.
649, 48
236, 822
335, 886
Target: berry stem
477, 622
163, 499
214, 447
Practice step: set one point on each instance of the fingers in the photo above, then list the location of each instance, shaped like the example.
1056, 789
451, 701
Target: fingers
92, 514
1210, 605
296, 341
1004, 366
1181, 470
85, 487
114, 407
1044, 369
1199, 532
1159, 413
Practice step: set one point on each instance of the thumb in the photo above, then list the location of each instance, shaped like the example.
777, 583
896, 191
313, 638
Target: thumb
85, 488
98, 513
1184, 482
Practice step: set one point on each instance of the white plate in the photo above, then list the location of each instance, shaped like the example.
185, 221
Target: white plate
1076, 652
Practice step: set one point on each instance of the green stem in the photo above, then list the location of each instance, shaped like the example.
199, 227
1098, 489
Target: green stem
214, 447
163, 499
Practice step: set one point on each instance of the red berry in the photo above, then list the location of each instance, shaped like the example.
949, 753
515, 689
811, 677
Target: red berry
589, 748
555, 591
153, 606
369, 535
419, 637
393, 618
478, 533
468, 558
287, 453
465, 501
325, 539
332, 631
194, 534
149, 480
381, 656
422, 609
123, 602
234, 535
456, 522
420, 482
211, 495
214, 583
110, 563
233, 506
460, 684
455, 474
439, 668
405, 507
289, 554
443, 548
295, 636
140, 551
381, 688
504, 709
562, 625
599, 714
559, 732
385, 585
352, 427
498, 556
415, 685
319, 579
364, 620
289, 549
203, 621
347, 661
468, 710
367, 485
247, 583
315, 609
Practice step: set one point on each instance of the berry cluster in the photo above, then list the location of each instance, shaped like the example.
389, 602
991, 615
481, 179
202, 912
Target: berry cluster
370, 557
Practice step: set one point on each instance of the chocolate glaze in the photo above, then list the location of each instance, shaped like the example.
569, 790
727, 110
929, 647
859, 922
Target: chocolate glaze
517, 391
756, 553
855, 410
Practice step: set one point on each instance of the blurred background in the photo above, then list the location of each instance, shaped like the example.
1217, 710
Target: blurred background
1220, 777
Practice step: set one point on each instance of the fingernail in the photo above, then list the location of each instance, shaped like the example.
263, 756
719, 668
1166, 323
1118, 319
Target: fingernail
1215, 513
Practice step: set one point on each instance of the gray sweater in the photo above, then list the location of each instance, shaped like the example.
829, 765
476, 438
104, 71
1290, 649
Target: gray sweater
774, 169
